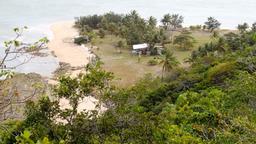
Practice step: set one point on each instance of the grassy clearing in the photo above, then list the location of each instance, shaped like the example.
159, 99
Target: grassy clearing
201, 38
126, 67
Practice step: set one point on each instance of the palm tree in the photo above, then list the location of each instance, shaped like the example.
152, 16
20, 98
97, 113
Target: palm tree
253, 28
242, 28
176, 21
169, 62
172, 23
134, 14
166, 21
212, 24
152, 21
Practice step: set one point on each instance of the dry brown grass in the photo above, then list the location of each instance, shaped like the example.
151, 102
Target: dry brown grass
126, 67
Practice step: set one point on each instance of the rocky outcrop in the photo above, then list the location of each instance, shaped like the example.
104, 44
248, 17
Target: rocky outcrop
16, 91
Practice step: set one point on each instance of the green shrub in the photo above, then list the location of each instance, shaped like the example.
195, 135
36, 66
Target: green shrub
153, 62
102, 33
81, 40
195, 27
221, 71
92, 21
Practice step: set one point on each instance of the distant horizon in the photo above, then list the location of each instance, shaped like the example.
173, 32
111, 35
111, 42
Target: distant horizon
174, 71
40, 15
36, 12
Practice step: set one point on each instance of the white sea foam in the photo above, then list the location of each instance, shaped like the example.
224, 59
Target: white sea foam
42, 29
42, 65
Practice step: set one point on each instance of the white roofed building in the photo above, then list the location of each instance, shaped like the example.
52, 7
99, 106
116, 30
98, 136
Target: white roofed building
140, 46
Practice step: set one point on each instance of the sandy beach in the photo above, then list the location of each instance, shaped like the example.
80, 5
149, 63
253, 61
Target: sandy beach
77, 56
63, 47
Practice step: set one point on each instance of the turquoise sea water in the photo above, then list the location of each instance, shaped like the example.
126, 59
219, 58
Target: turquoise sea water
39, 14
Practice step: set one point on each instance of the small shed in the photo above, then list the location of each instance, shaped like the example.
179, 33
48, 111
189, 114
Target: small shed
140, 48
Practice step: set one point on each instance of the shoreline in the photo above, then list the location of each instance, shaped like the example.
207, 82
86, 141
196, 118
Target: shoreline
76, 56
63, 47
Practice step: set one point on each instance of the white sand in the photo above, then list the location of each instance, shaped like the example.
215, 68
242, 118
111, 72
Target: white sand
63, 47
66, 51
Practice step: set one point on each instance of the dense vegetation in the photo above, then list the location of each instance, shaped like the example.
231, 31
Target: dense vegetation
131, 27
135, 29
213, 101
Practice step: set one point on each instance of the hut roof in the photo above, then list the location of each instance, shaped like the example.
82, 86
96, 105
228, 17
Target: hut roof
140, 46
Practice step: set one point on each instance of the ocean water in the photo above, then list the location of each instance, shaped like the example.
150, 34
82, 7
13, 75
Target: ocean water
39, 14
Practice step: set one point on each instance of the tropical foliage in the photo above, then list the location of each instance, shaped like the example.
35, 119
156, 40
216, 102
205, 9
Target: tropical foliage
212, 101
211, 24
184, 41
131, 27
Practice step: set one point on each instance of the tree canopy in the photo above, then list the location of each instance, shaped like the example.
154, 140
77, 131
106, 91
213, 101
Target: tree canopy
212, 101
212, 24
184, 41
